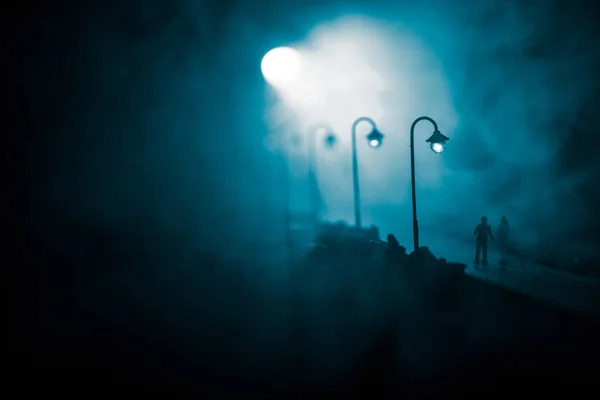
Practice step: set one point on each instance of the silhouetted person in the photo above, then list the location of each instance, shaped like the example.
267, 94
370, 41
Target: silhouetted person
482, 231
502, 234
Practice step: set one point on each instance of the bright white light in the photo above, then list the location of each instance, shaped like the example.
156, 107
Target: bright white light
358, 66
280, 65
438, 147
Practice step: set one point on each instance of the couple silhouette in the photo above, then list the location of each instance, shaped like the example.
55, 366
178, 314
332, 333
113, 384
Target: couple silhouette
482, 232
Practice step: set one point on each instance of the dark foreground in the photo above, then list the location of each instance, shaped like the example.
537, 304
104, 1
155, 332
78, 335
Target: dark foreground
332, 323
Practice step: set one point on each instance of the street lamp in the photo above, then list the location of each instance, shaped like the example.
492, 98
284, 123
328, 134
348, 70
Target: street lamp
437, 143
329, 141
374, 139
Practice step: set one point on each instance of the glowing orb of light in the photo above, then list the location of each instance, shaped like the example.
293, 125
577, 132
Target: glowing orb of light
374, 143
438, 147
281, 65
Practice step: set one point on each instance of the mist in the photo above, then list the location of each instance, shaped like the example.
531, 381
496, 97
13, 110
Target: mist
152, 131
508, 103
159, 113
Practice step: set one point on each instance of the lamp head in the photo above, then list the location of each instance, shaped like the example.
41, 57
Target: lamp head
375, 138
437, 141
330, 140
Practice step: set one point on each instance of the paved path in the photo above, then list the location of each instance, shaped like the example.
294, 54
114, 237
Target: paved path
572, 291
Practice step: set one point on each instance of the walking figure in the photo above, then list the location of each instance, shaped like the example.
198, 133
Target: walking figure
503, 236
482, 231
503, 233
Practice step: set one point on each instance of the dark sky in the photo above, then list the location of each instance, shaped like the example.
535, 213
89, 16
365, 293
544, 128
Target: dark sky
139, 117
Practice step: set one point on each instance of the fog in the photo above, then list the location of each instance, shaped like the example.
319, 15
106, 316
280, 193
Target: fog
151, 139
506, 107
157, 116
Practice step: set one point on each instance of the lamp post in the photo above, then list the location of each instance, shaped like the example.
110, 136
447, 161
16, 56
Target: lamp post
311, 144
374, 139
437, 143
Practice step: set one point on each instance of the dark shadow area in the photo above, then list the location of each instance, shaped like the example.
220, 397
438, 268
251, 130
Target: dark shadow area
145, 219
342, 319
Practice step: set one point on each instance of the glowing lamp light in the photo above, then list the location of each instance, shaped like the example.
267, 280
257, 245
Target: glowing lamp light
375, 138
437, 147
437, 142
281, 66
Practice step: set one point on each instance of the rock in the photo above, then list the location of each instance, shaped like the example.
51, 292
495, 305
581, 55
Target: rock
422, 256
